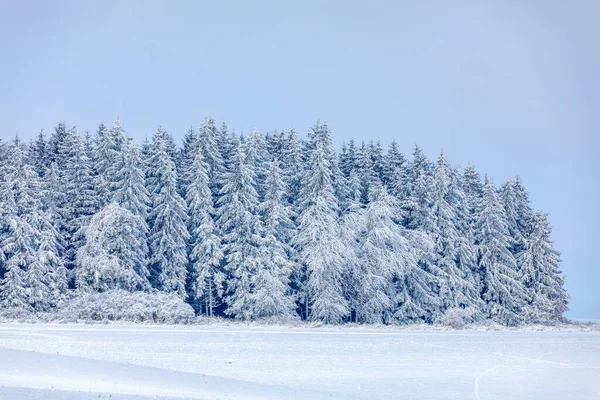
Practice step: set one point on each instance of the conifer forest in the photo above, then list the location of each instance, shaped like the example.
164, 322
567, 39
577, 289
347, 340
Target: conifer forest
267, 226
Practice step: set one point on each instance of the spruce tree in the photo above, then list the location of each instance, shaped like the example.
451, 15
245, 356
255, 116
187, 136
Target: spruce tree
518, 214
206, 249
254, 147
366, 170
539, 271
274, 144
348, 158
224, 144
240, 232
114, 254
109, 159
40, 159
47, 272
130, 190
459, 289
317, 239
383, 256
504, 295
168, 231
271, 294
473, 190
377, 158
186, 158
56, 145
208, 138
320, 135
292, 166
394, 162
80, 200
417, 186
18, 234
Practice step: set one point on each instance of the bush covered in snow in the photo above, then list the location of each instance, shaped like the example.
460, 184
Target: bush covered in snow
17, 314
120, 305
457, 318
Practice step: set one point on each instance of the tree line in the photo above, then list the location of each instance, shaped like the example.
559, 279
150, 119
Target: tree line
270, 226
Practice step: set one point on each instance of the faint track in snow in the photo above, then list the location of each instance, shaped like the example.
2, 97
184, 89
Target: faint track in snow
481, 375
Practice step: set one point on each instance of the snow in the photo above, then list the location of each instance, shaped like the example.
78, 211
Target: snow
249, 362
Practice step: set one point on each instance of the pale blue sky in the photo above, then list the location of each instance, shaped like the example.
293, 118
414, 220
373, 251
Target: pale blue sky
511, 87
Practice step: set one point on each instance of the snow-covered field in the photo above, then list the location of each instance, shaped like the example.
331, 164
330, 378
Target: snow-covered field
241, 362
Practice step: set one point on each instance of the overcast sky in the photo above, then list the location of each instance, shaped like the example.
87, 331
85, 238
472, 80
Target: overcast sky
510, 87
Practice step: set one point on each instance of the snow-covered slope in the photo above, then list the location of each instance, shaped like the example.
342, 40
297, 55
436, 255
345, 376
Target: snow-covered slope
218, 362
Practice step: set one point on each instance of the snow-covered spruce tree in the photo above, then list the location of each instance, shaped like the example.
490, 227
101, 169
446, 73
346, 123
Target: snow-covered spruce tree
240, 232
56, 145
454, 256
271, 291
21, 178
351, 233
394, 162
130, 193
51, 243
170, 145
208, 138
206, 251
18, 252
92, 145
539, 272
317, 238
109, 159
348, 158
44, 271
105, 157
366, 172
80, 200
146, 164
414, 190
224, 144
321, 135
18, 235
412, 290
254, 147
377, 158
524, 210
518, 214
466, 251
473, 190
416, 296
47, 277
149, 156
417, 191
502, 291
114, 254
52, 196
274, 144
292, 167
383, 254
89, 147
185, 159
168, 231
130, 190
39, 157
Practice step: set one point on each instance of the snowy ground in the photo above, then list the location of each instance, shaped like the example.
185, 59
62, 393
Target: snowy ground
236, 362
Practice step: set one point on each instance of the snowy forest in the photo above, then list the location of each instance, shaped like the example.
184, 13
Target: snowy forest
266, 226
